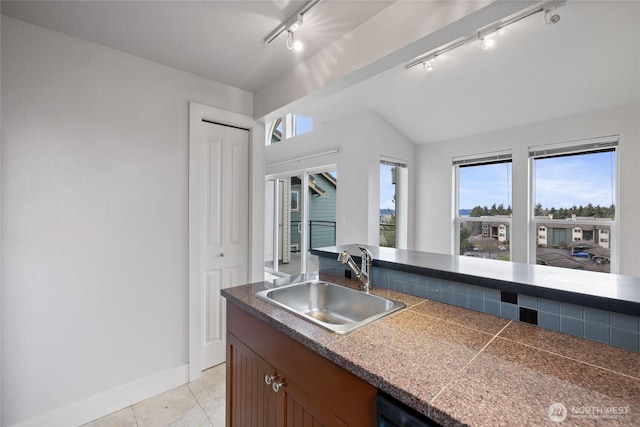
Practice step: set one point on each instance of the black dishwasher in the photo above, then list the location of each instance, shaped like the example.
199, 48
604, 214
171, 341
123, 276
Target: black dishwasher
391, 413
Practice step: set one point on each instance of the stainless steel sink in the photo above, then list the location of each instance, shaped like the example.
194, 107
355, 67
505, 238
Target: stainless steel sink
331, 306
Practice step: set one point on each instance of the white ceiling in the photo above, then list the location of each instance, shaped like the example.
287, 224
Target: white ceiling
221, 40
589, 61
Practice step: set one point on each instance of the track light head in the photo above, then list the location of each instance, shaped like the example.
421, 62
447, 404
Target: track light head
487, 43
291, 24
487, 33
487, 37
551, 19
292, 43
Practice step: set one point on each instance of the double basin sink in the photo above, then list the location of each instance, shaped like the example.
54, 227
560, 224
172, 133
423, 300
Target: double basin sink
334, 307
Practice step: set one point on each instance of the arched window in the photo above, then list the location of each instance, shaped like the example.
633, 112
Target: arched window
289, 126
276, 131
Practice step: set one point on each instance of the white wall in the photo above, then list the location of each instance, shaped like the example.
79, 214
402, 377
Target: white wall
94, 220
361, 139
434, 195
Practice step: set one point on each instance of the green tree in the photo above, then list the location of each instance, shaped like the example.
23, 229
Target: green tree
465, 233
388, 229
537, 211
589, 210
476, 212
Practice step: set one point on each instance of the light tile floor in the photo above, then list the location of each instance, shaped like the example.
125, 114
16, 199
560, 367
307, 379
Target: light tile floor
292, 268
198, 404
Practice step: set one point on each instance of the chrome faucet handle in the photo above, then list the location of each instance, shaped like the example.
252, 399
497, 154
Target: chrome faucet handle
365, 252
343, 257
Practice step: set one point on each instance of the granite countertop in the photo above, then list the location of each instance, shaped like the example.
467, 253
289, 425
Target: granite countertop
612, 292
461, 367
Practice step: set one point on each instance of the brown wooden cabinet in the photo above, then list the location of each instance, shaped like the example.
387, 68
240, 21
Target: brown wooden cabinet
313, 392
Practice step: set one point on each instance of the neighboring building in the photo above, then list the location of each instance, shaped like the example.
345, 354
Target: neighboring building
322, 212
561, 234
542, 235
497, 231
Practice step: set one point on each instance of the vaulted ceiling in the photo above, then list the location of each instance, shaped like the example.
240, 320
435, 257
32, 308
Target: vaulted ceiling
588, 61
221, 40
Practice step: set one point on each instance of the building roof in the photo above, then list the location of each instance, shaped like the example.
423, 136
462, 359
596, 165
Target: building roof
559, 260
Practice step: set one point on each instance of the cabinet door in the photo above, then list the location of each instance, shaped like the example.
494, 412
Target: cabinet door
315, 390
250, 401
302, 411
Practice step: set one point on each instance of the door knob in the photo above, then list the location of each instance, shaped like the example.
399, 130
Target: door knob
276, 386
221, 254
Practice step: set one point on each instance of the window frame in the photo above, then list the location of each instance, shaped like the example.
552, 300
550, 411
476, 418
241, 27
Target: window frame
401, 186
288, 128
587, 146
458, 221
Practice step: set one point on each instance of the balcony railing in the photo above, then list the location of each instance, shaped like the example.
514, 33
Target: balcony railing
323, 232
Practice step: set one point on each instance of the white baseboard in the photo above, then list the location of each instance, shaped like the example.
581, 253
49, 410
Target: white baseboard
113, 400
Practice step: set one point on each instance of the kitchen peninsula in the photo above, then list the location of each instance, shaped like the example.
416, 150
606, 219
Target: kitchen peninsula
463, 367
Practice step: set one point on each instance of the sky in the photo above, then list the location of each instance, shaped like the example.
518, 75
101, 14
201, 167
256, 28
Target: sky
559, 182
576, 180
303, 124
484, 185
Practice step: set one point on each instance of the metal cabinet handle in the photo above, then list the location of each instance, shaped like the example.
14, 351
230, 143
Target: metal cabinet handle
269, 378
276, 386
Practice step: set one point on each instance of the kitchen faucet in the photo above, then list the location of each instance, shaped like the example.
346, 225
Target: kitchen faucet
362, 273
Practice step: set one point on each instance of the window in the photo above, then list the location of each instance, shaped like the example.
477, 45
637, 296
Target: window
289, 126
574, 199
394, 198
483, 213
277, 134
303, 124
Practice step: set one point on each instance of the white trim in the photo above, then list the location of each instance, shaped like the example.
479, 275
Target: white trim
107, 402
574, 147
197, 112
310, 156
481, 158
391, 161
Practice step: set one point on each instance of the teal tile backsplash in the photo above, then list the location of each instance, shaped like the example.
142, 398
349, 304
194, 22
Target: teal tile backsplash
612, 328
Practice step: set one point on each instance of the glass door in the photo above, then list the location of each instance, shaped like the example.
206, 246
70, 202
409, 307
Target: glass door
300, 214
